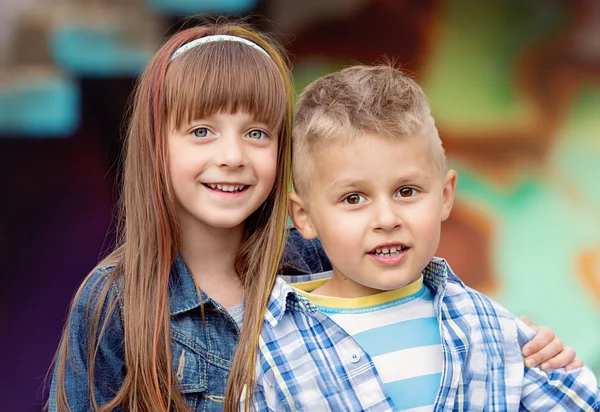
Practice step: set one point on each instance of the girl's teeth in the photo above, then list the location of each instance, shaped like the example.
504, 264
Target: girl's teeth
226, 188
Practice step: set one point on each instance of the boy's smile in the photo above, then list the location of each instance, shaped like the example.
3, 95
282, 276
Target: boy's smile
377, 205
389, 253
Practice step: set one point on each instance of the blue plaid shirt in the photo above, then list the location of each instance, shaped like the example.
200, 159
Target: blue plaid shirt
308, 363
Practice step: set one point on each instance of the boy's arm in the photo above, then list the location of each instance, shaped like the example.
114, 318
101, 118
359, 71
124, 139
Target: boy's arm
576, 390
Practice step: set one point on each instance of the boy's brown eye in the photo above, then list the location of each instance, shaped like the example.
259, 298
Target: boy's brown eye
353, 199
406, 192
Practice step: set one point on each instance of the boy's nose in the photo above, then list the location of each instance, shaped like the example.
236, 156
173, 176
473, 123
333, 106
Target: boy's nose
231, 152
386, 217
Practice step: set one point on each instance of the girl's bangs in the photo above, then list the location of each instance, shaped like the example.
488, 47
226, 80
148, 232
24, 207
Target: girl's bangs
224, 77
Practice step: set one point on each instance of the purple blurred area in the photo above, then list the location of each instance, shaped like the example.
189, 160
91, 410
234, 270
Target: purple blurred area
54, 229
514, 91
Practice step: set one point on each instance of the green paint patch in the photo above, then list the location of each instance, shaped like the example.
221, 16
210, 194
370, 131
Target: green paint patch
470, 79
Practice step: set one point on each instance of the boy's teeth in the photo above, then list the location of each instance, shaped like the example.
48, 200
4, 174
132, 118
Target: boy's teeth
388, 251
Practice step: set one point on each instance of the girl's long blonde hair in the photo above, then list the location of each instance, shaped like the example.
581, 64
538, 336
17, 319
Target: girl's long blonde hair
218, 76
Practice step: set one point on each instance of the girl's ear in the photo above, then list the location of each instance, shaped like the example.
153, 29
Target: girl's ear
448, 193
300, 217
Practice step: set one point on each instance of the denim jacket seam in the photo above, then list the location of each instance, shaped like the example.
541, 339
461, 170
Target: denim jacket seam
187, 341
213, 359
187, 385
312, 243
205, 353
183, 310
115, 290
114, 287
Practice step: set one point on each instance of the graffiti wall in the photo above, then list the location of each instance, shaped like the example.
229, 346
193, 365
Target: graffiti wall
515, 89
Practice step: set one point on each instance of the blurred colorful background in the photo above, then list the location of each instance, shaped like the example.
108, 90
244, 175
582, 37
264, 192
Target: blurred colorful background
514, 86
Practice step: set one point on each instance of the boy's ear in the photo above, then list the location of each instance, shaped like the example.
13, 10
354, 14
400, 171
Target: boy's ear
300, 217
448, 193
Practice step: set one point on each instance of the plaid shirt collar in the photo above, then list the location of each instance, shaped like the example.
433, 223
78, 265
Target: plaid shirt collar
284, 297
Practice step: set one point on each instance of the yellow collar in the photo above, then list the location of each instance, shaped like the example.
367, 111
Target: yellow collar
304, 288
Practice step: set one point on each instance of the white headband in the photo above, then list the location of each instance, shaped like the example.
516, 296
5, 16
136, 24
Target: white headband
210, 39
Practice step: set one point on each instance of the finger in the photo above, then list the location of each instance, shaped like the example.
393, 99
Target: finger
544, 336
576, 364
527, 321
546, 353
561, 360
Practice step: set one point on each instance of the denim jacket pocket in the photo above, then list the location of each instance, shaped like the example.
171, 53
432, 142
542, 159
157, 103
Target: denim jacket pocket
190, 368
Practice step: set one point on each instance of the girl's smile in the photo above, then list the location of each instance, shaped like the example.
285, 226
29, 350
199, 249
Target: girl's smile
227, 190
222, 175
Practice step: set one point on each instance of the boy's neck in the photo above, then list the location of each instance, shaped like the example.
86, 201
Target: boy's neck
340, 286
209, 254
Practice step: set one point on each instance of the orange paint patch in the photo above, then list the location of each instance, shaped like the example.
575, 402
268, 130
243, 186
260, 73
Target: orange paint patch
470, 229
588, 265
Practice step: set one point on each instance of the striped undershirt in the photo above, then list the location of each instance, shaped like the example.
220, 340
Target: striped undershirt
400, 331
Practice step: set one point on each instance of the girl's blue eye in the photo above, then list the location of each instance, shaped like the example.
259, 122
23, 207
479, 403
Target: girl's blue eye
407, 192
202, 132
256, 134
354, 199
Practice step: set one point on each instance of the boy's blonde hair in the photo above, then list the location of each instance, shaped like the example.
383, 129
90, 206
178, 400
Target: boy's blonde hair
344, 105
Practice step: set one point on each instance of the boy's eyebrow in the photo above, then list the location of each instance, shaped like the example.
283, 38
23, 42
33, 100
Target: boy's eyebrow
345, 184
349, 183
414, 177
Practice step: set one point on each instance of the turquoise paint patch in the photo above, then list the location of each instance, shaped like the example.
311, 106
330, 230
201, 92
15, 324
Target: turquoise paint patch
577, 152
5, 118
539, 233
41, 108
187, 7
96, 52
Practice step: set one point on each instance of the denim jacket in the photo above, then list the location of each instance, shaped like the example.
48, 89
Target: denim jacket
202, 352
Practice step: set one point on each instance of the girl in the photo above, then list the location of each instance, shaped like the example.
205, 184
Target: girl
206, 178
154, 327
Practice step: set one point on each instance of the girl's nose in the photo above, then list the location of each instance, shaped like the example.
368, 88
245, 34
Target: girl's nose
231, 152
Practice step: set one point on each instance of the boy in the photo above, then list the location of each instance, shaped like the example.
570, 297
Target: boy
393, 328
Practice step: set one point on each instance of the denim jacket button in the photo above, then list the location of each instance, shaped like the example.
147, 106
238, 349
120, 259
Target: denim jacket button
354, 357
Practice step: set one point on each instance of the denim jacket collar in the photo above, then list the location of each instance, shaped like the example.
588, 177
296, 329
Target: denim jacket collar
183, 293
